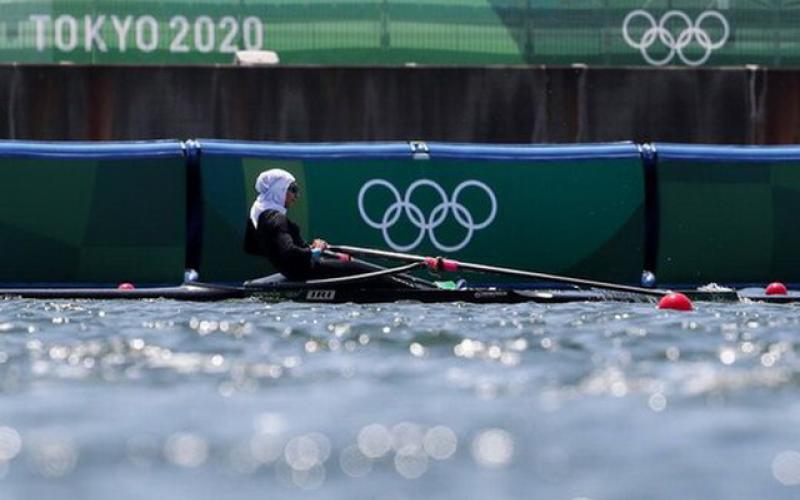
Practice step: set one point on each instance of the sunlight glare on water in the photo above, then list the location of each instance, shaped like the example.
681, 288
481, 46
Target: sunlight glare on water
242, 399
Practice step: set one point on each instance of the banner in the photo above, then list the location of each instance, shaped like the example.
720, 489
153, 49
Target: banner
575, 210
728, 214
655, 33
92, 213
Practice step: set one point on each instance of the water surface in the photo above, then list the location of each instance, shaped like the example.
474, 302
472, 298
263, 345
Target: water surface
240, 399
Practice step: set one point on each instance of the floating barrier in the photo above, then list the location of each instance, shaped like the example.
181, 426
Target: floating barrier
726, 213
569, 209
142, 213
92, 212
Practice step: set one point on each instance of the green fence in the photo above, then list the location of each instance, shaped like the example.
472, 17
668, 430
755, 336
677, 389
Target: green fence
728, 214
593, 32
573, 210
92, 214
105, 213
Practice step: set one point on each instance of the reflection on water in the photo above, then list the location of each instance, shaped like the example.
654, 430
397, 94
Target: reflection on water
238, 399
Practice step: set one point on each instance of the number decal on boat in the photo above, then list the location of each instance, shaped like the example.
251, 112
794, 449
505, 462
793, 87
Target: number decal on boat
320, 295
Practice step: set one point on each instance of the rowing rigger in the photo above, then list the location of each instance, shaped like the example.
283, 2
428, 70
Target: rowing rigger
366, 288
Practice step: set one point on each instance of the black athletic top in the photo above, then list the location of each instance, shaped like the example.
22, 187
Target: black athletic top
278, 239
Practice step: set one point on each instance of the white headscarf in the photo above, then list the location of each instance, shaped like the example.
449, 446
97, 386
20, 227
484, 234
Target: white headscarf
271, 186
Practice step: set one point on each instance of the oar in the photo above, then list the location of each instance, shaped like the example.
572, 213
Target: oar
376, 267
353, 278
441, 264
365, 276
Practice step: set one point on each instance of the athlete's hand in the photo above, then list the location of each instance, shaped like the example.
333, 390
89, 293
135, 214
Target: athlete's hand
321, 244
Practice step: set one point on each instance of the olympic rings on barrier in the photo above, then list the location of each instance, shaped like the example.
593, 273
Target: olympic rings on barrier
403, 205
675, 44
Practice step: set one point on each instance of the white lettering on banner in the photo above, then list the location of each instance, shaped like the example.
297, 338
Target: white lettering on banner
93, 35
66, 33
229, 23
203, 34
181, 24
151, 44
253, 33
39, 21
122, 31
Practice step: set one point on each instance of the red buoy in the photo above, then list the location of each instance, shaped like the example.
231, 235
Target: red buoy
776, 288
676, 302
125, 286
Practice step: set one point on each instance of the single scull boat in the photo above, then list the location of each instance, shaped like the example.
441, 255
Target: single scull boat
367, 287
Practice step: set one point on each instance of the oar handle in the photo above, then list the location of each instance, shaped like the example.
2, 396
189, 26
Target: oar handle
441, 264
344, 257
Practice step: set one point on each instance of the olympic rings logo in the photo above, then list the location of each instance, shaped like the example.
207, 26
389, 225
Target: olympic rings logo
402, 205
658, 31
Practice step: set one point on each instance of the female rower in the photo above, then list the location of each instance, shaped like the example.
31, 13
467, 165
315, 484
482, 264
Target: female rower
270, 233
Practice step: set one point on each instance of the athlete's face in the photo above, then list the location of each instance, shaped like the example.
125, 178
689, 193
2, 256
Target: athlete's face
291, 195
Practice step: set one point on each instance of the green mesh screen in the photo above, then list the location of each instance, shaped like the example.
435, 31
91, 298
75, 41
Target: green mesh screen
597, 32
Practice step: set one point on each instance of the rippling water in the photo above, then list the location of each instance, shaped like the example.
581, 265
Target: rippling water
241, 399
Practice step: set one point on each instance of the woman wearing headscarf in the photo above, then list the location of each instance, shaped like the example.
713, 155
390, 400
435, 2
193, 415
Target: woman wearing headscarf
270, 233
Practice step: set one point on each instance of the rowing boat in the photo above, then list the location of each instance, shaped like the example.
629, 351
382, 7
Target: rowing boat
488, 295
302, 292
368, 288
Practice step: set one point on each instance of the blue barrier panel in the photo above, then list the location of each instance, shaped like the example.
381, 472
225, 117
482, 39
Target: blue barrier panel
728, 213
304, 151
529, 152
92, 150
92, 213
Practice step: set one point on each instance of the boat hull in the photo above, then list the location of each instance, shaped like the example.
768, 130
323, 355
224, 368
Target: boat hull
212, 292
